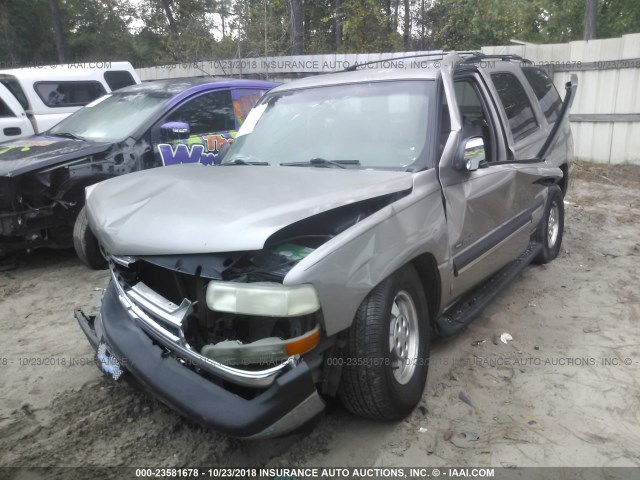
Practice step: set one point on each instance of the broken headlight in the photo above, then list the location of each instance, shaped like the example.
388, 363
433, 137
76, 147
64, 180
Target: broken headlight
264, 351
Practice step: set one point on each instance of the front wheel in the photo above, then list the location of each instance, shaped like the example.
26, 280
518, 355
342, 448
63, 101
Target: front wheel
551, 228
86, 244
387, 353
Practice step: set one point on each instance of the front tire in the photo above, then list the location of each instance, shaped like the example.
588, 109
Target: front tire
551, 228
387, 352
86, 244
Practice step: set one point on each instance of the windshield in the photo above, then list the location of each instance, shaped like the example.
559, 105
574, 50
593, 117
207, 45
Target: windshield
362, 125
113, 117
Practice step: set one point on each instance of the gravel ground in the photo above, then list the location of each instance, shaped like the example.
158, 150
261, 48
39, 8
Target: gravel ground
564, 392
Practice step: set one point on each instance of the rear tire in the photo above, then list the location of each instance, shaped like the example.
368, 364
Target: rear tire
550, 230
392, 322
86, 244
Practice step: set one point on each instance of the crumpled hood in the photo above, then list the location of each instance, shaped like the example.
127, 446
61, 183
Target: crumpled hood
201, 209
39, 151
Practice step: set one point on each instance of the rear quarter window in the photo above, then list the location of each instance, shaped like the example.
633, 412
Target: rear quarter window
515, 101
68, 94
545, 92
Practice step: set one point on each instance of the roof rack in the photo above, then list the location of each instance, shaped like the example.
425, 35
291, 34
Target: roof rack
469, 57
355, 66
479, 57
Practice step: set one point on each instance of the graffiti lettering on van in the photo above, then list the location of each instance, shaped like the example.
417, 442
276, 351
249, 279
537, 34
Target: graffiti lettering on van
197, 149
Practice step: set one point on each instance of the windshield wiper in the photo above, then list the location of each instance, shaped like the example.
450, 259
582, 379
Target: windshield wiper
69, 135
239, 161
322, 163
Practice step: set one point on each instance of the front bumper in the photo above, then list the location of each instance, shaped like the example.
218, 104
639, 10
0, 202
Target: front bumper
289, 402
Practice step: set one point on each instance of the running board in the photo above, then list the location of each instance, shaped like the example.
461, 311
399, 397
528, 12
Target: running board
472, 304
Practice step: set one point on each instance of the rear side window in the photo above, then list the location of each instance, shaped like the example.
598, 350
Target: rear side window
545, 91
117, 79
522, 120
68, 94
5, 111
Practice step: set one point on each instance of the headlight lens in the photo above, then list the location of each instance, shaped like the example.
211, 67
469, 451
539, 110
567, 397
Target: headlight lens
267, 350
262, 298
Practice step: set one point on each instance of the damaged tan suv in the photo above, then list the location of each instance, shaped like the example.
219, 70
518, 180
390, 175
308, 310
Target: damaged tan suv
356, 216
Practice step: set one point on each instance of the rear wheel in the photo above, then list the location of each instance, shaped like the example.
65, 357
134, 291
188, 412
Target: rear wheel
387, 352
550, 230
86, 244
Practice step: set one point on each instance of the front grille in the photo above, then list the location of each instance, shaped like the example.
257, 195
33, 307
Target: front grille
167, 313
166, 282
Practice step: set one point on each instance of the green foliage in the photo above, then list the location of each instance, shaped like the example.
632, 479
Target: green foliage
617, 17
138, 30
26, 32
254, 18
365, 28
98, 30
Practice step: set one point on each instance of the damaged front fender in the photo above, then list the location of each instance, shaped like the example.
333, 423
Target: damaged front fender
345, 269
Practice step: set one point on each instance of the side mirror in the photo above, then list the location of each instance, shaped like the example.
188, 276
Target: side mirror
473, 155
175, 131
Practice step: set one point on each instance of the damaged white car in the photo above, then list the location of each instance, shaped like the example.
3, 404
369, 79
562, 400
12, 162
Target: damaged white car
356, 215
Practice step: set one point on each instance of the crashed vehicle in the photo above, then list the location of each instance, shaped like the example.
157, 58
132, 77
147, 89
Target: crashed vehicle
166, 122
357, 215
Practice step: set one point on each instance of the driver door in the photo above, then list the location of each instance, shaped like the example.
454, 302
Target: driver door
485, 228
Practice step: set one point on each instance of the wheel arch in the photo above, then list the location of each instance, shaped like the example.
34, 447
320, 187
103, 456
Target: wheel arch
563, 183
427, 269
73, 191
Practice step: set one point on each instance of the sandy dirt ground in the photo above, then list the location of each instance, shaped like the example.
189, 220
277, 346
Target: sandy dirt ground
564, 392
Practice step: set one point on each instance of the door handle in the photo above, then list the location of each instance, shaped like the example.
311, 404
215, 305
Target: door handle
12, 131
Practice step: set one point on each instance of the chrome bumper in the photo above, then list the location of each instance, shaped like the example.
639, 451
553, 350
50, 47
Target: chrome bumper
163, 320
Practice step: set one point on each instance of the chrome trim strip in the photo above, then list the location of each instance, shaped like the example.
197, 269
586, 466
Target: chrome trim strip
124, 261
247, 378
159, 306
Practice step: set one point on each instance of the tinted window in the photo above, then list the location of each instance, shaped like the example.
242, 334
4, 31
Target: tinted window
475, 122
468, 101
68, 94
545, 91
208, 113
522, 120
4, 110
118, 79
14, 87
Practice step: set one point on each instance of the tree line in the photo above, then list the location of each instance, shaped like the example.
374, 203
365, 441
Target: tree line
154, 32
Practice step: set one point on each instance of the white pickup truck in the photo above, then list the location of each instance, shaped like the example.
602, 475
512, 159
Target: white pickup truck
34, 99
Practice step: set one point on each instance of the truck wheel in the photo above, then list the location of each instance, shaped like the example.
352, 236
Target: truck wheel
387, 353
86, 244
549, 232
